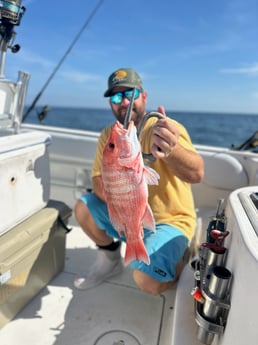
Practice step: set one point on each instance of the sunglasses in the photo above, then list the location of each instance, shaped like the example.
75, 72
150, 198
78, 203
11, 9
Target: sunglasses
118, 97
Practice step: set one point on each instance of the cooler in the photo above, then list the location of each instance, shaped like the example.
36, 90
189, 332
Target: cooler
31, 254
25, 176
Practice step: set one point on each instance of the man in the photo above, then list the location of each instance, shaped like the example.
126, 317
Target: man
178, 165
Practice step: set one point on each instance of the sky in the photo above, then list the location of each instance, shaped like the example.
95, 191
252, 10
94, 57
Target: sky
195, 55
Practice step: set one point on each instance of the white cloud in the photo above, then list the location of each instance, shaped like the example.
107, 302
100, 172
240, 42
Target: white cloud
31, 58
251, 70
80, 77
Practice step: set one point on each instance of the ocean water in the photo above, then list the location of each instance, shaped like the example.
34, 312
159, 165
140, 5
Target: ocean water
219, 129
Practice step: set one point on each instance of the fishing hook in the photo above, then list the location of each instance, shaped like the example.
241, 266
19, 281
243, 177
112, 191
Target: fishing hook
148, 156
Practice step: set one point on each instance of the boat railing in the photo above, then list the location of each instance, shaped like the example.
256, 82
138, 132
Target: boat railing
12, 98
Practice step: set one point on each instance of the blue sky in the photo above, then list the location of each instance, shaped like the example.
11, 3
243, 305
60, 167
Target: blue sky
195, 55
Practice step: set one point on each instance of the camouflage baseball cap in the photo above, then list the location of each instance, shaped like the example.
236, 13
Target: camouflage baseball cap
126, 77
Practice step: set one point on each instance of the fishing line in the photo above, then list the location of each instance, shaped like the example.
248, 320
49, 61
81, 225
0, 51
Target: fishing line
88, 20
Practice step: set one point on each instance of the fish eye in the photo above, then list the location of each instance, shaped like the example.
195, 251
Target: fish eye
111, 146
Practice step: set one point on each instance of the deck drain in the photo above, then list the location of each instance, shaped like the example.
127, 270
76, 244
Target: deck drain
117, 338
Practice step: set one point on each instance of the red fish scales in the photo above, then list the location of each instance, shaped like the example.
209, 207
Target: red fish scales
125, 184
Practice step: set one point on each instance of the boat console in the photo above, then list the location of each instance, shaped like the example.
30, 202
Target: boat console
242, 261
249, 202
224, 279
24, 158
32, 234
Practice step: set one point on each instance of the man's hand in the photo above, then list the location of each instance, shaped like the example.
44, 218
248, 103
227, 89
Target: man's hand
164, 136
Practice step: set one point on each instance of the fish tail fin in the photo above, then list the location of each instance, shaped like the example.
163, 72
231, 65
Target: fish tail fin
136, 251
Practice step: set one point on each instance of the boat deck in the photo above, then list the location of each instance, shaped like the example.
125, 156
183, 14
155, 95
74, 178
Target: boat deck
115, 312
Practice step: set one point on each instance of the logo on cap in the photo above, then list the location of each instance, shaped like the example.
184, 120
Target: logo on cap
119, 75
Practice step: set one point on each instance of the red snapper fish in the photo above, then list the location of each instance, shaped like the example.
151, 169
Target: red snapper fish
125, 180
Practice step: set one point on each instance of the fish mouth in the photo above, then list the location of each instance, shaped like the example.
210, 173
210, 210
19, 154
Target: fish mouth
126, 138
123, 132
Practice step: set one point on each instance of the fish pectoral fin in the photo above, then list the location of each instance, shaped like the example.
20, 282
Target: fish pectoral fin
136, 251
113, 216
150, 176
148, 221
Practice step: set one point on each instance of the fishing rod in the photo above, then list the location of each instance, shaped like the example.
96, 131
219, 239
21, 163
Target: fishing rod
88, 20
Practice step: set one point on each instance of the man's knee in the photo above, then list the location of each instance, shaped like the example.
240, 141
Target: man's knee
150, 285
80, 211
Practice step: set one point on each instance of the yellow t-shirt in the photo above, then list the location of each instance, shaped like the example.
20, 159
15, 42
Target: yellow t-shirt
171, 200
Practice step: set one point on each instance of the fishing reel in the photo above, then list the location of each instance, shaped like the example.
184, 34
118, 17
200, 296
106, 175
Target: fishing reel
12, 95
11, 13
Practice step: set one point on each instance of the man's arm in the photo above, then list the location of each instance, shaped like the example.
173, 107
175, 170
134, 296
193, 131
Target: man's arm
98, 189
186, 164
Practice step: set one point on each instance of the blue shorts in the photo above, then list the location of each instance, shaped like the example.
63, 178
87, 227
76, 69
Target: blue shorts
165, 247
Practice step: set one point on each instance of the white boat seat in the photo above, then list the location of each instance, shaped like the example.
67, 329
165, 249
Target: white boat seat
223, 171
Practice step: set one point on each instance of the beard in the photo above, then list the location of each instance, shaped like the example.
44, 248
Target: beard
136, 114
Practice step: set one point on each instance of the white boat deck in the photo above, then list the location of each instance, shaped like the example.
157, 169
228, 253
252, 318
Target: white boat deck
116, 312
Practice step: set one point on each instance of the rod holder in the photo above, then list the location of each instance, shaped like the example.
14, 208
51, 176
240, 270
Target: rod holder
211, 316
214, 258
209, 258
